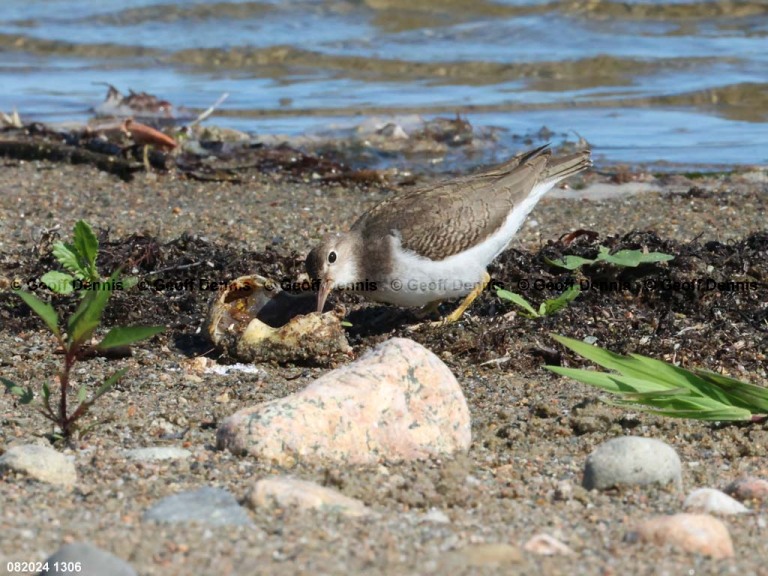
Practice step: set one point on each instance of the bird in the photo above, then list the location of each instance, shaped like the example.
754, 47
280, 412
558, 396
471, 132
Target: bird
435, 243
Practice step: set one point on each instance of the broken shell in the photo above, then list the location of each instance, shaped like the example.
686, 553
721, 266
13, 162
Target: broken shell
254, 320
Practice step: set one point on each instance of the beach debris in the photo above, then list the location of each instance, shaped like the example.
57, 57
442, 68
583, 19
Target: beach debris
144, 135
253, 319
12, 120
140, 104
398, 402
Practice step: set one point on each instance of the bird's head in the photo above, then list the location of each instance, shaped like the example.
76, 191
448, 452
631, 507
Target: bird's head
334, 264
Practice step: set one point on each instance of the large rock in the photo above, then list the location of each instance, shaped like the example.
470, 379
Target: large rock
632, 461
39, 463
699, 533
397, 402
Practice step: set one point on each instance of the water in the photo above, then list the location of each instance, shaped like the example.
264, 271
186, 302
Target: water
652, 82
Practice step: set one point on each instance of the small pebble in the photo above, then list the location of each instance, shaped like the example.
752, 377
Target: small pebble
39, 463
156, 453
85, 559
632, 461
398, 402
286, 492
546, 545
436, 516
487, 555
208, 506
699, 533
748, 488
713, 501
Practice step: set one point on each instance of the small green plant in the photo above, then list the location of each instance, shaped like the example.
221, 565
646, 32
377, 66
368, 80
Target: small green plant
623, 258
667, 390
73, 339
79, 258
546, 308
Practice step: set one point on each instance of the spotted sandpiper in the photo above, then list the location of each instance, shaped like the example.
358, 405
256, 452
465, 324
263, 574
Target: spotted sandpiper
435, 243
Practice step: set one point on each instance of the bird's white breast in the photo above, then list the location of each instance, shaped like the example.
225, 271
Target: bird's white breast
417, 281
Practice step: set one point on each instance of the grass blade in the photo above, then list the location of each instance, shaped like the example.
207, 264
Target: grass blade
666, 390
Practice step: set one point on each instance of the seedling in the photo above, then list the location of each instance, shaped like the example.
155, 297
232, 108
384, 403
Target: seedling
546, 308
80, 327
623, 258
79, 258
664, 389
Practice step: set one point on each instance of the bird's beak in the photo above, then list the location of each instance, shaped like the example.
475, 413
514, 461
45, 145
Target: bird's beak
326, 285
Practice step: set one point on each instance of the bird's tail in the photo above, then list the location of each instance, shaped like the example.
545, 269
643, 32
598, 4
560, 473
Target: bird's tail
560, 168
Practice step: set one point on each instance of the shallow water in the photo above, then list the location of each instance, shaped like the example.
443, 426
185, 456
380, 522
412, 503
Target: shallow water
644, 82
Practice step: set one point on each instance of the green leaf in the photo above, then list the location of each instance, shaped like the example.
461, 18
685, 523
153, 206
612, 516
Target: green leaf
46, 392
129, 282
554, 305
625, 258
42, 309
123, 336
87, 245
633, 258
82, 393
88, 315
108, 384
24, 396
58, 282
65, 254
517, 300
570, 262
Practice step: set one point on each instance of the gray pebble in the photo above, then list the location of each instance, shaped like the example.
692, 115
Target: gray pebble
209, 506
85, 559
632, 461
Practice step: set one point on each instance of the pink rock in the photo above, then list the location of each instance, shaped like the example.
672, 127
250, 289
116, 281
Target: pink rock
748, 488
397, 402
700, 533
546, 545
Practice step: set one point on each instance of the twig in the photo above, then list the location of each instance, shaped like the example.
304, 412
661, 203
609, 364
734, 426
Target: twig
209, 111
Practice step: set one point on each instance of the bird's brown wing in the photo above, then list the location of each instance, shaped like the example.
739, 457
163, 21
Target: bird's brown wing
468, 209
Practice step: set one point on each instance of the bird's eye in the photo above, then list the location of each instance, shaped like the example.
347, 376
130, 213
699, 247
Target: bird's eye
332, 257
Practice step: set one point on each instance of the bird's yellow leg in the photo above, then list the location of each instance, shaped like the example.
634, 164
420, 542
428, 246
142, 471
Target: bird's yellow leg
428, 309
456, 314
